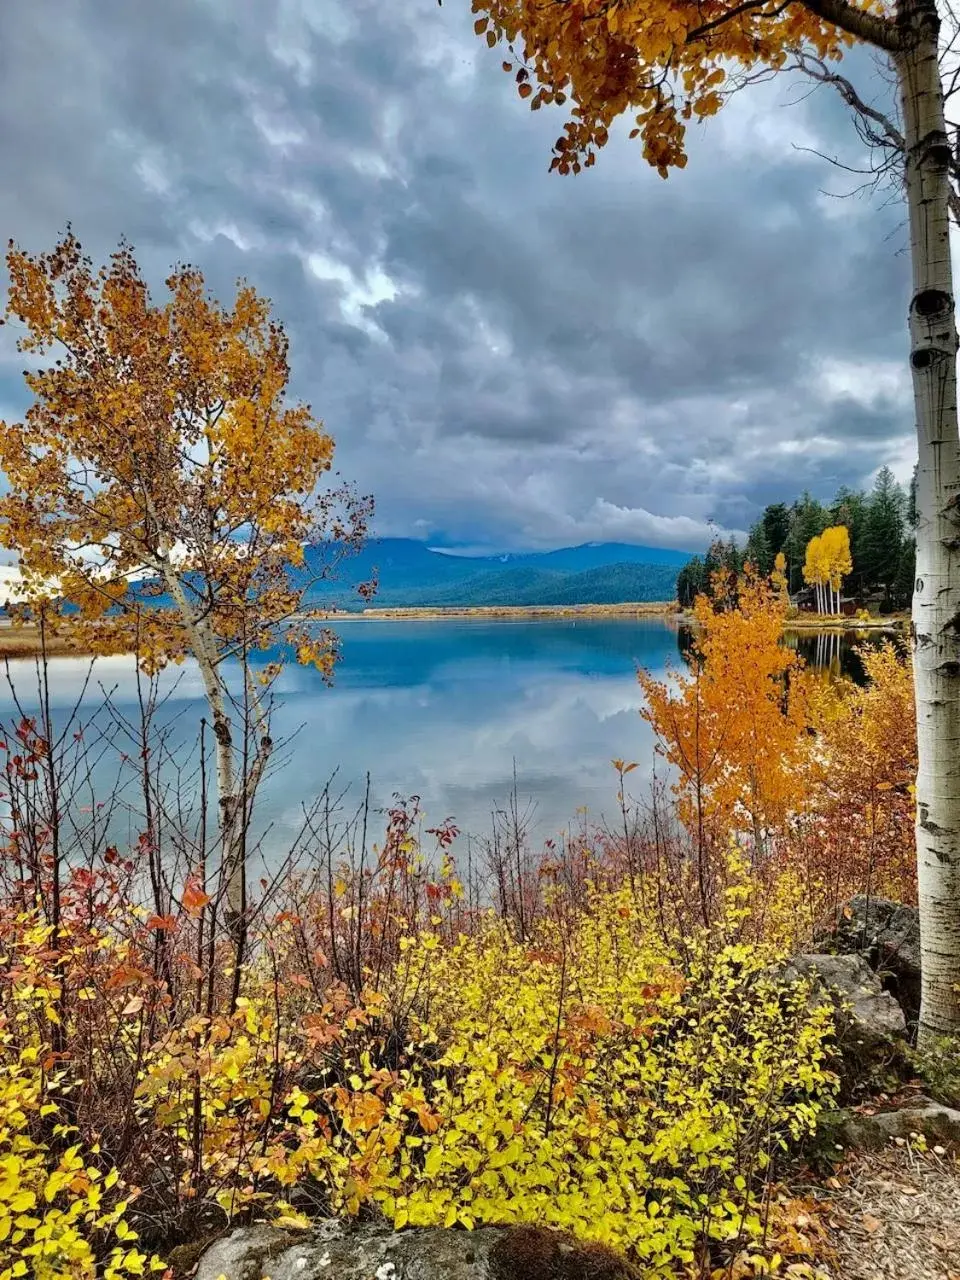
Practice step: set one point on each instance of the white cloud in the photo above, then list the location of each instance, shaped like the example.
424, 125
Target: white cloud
867, 382
359, 294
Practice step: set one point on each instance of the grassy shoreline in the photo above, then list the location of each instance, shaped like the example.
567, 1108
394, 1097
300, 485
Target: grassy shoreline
895, 622
822, 622
24, 642
655, 609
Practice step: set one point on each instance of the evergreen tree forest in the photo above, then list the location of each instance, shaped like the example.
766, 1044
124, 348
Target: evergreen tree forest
881, 526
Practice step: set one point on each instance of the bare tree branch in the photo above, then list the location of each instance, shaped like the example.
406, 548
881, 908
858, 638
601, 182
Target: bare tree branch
818, 70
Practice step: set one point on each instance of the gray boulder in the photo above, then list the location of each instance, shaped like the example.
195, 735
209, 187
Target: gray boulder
871, 1028
868, 1014
332, 1250
887, 935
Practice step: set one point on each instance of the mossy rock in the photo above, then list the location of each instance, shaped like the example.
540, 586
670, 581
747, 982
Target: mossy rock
343, 1251
534, 1253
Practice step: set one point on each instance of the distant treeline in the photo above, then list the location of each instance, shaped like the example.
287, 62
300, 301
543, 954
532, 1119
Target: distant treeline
881, 525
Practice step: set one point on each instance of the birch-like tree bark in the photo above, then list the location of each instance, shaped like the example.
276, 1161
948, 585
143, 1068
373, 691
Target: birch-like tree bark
936, 600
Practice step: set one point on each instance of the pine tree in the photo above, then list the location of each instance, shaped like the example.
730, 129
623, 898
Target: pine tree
759, 552
776, 526
692, 581
884, 531
808, 519
849, 508
902, 592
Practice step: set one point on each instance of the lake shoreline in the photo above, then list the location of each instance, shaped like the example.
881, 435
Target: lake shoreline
24, 642
18, 642
655, 609
819, 624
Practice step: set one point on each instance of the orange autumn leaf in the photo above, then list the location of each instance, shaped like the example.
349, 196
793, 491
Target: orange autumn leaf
162, 922
194, 898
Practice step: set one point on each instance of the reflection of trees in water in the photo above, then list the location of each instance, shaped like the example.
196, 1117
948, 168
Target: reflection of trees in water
685, 644
831, 651
836, 651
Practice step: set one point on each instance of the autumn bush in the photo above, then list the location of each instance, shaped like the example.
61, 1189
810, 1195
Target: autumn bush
62, 1201
604, 1080
600, 1081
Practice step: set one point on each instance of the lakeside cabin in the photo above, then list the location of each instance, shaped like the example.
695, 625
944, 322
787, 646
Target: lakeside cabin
806, 602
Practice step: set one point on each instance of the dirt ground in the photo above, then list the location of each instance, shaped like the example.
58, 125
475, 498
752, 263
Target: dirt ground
894, 1215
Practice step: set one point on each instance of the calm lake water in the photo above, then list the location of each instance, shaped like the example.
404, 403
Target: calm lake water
445, 710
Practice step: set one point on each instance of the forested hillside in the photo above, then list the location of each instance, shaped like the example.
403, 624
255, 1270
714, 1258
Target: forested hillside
410, 575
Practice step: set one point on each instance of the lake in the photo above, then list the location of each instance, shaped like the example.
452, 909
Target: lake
445, 710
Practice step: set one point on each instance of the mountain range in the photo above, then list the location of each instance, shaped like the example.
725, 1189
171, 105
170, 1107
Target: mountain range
410, 574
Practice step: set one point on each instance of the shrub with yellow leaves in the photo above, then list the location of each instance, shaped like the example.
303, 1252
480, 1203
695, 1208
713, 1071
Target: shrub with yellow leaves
61, 1211
593, 1080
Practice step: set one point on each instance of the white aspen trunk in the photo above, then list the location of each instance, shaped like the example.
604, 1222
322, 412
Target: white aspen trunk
227, 791
936, 600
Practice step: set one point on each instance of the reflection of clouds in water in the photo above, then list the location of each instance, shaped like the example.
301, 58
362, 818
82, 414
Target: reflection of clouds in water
115, 676
436, 710
456, 748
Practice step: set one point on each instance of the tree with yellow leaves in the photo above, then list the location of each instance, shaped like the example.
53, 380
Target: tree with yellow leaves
827, 563
837, 559
779, 575
734, 728
667, 62
162, 486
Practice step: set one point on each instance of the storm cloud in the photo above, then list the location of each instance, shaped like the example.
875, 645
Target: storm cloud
506, 358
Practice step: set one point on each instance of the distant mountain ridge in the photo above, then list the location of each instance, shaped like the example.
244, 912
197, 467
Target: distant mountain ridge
412, 575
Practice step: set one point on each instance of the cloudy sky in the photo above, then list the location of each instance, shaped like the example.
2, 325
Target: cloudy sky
506, 358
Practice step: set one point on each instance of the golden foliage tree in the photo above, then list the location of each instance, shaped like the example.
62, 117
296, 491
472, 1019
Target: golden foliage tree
161, 484
734, 726
815, 569
862, 799
827, 563
839, 560
667, 62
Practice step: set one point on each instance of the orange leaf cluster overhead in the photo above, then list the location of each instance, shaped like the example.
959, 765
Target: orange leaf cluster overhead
665, 62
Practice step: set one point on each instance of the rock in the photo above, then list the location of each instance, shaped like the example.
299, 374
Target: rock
243, 1254
331, 1250
887, 935
848, 1130
871, 1028
869, 1014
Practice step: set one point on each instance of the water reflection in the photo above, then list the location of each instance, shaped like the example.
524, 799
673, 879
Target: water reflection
839, 651
442, 710
835, 652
